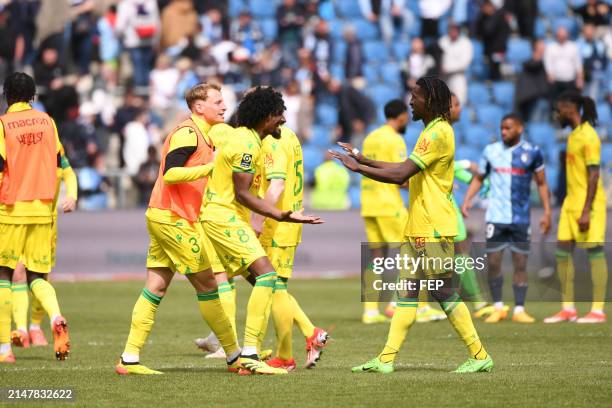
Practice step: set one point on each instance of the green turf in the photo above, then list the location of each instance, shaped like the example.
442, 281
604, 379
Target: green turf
563, 365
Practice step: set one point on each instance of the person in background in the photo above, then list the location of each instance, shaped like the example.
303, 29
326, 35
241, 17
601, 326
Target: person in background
146, 176
457, 54
493, 30
594, 61
563, 64
331, 187
532, 88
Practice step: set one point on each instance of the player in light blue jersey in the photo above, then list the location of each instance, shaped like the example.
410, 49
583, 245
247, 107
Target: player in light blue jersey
510, 165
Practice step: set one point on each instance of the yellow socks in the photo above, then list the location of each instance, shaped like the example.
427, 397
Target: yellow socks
143, 318
6, 308
214, 315
227, 296
20, 305
259, 302
565, 269
302, 321
403, 319
45, 293
459, 316
37, 313
282, 310
599, 277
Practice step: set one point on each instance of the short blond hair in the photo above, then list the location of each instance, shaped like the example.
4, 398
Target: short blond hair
200, 92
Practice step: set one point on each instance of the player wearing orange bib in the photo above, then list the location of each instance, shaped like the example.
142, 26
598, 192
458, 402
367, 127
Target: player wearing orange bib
175, 233
29, 159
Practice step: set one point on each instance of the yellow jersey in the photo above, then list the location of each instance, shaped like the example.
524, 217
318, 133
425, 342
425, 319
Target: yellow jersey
219, 135
430, 211
583, 150
25, 212
382, 199
241, 153
282, 159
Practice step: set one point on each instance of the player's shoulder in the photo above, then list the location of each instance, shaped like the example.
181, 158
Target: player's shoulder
492, 148
220, 132
529, 147
588, 133
440, 128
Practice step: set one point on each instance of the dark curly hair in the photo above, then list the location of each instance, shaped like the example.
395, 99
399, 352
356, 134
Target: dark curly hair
19, 87
257, 105
437, 96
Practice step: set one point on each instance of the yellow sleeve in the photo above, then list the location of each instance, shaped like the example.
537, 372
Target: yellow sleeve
275, 159
60, 148
184, 137
186, 174
592, 150
241, 158
430, 146
70, 180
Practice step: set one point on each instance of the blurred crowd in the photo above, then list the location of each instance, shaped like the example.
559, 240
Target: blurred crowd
113, 73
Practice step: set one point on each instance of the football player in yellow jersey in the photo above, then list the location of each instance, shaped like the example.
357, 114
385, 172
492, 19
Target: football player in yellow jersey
231, 193
21, 337
282, 185
30, 153
431, 225
175, 233
583, 214
383, 210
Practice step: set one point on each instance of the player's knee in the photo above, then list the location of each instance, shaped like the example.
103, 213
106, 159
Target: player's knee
32, 276
442, 294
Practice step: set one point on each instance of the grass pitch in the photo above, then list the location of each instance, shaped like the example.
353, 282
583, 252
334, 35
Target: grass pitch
564, 365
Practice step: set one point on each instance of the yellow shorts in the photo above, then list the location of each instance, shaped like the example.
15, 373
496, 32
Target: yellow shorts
569, 230
176, 246
427, 257
28, 243
53, 241
281, 259
385, 229
215, 262
235, 244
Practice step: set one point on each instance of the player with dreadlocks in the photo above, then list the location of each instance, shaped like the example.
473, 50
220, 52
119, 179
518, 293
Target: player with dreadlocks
430, 228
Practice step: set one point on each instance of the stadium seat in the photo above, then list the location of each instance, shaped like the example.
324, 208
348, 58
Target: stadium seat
478, 136
313, 157
365, 30
375, 51
577, 3
458, 131
412, 134
348, 8
337, 71
401, 50
235, 7
269, 29
467, 153
326, 114
503, 94
339, 51
489, 115
478, 94
541, 27
321, 136
518, 51
606, 154
552, 177
552, 7
326, 11
370, 73
381, 93
336, 29
262, 9
570, 24
541, 134
390, 73
603, 114
467, 117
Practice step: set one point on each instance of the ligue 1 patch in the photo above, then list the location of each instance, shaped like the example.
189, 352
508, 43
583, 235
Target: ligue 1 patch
246, 161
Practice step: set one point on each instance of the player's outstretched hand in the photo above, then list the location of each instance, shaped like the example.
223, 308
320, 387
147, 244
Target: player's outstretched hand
349, 162
352, 151
300, 218
68, 204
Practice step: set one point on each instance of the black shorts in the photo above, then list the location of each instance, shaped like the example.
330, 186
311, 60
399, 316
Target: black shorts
514, 236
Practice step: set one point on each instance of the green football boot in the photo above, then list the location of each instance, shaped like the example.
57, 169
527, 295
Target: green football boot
475, 366
374, 366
